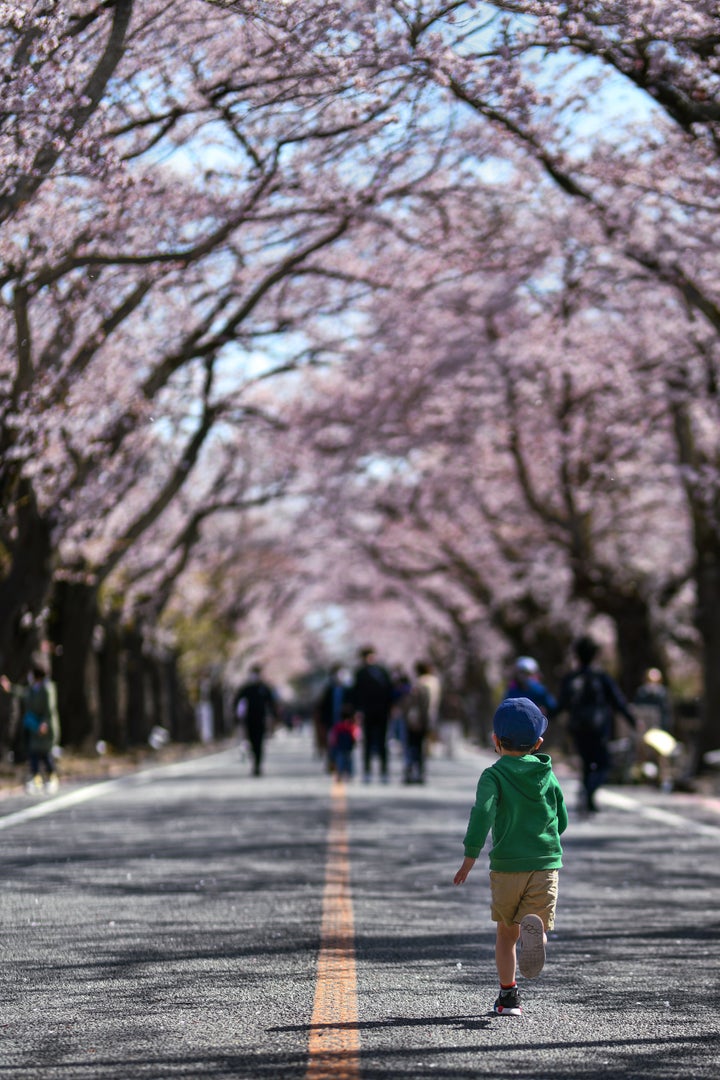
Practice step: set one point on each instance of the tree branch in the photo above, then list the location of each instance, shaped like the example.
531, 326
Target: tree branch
91, 95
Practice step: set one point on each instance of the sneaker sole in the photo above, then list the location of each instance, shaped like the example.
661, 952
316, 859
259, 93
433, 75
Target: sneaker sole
516, 1011
531, 958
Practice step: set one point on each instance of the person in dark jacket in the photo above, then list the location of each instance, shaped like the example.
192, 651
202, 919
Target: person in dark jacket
591, 698
372, 696
256, 707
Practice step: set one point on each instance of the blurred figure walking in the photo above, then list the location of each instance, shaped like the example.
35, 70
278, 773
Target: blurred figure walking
661, 757
526, 683
372, 697
418, 708
343, 740
256, 707
652, 697
328, 712
397, 730
591, 698
41, 727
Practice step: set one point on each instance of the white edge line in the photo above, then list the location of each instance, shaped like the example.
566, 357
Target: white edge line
666, 817
93, 791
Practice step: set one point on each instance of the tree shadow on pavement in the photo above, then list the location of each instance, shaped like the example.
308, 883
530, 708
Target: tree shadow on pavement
573, 1059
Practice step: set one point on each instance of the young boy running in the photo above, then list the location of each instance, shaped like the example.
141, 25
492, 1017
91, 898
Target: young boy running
520, 800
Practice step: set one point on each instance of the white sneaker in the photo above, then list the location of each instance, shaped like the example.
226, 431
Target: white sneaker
52, 785
531, 946
34, 785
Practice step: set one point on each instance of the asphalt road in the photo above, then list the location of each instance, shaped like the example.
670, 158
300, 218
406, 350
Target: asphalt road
168, 925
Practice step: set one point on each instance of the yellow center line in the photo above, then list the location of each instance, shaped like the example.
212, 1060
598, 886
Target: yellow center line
334, 1042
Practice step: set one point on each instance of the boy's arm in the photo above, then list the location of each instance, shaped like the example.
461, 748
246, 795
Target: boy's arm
562, 814
464, 870
482, 816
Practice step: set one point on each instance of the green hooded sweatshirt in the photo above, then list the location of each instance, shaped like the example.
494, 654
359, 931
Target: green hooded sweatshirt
520, 799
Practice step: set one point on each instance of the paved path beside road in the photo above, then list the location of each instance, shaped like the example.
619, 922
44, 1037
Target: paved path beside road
192, 921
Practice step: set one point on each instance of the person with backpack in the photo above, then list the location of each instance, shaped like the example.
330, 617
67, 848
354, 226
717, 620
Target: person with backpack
591, 698
41, 726
418, 711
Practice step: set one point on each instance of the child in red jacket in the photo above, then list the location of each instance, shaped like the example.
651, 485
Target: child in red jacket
343, 740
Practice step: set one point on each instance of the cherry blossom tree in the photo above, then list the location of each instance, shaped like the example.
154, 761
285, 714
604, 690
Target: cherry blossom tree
441, 276
649, 197
133, 327
651, 190
523, 446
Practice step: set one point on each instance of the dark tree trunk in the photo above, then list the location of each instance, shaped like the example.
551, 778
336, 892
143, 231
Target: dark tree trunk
637, 646
25, 587
73, 618
137, 723
637, 643
182, 725
550, 647
23, 593
155, 682
546, 644
109, 664
708, 624
476, 695
222, 720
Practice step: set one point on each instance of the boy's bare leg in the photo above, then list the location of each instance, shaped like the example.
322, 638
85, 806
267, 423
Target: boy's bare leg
505, 952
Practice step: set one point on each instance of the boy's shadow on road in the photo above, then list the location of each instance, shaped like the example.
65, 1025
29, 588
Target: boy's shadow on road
460, 1023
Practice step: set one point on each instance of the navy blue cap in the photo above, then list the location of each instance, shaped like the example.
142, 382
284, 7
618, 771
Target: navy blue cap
520, 722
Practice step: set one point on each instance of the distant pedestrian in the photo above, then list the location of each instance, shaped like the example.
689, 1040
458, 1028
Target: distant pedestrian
437, 732
372, 697
654, 700
343, 740
41, 727
328, 712
256, 707
431, 681
526, 682
397, 729
591, 699
659, 755
519, 801
418, 707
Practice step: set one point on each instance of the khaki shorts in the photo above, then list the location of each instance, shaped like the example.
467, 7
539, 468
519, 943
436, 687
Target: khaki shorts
530, 892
